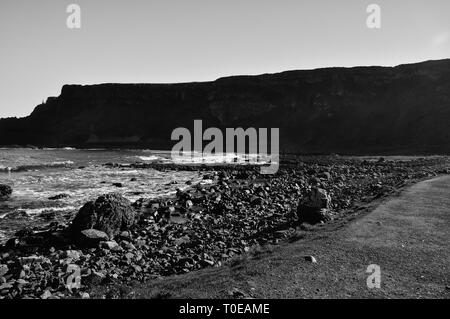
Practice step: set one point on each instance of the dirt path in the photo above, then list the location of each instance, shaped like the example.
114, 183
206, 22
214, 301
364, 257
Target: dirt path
408, 237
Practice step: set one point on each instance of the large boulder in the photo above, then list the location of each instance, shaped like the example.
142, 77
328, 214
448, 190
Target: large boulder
5, 192
314, 208
110, 213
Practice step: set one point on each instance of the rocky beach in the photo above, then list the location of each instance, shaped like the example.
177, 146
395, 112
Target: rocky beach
231, 211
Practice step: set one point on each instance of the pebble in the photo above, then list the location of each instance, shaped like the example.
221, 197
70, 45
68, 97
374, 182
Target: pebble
125, 234
128, 246
47, 294
237, 293
72, 254
111, 244
311, 259
3, 270
129, 256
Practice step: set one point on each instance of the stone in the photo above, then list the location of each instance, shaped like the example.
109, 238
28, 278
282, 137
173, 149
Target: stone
73, 254
92, 237
7, 285
314, 208
85, 295
110, 213
128, 246
111, 244
3, 270
325, 175
125, 235
237, 293
31, 259
255, 200
208, 262
153, 206
5, 191
47, 294
311, 259
21, 281
182, 240
317, 198
129, 256
164, 213
140, 242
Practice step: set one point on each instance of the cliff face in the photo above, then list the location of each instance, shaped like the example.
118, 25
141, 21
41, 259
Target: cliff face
405, 109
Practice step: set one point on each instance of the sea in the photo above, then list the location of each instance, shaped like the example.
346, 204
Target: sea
79, 175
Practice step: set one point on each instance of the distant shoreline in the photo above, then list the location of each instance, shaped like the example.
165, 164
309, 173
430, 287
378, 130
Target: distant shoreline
103, 147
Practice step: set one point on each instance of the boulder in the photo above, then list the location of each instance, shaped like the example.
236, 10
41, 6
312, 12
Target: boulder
110, 213
314, 208
5, 191
317, 198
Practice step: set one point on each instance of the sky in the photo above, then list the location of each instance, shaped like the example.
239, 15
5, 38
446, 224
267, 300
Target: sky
167, 41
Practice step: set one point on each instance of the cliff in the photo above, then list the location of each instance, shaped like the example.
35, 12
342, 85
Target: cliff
361, 110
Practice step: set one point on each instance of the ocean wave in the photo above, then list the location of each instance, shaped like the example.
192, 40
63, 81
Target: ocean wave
225, 158
34, 167
67, 148
148, 158
37, 211
61, 163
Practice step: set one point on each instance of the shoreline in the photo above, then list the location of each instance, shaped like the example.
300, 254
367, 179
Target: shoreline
243, 210
57, 207
105, 147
